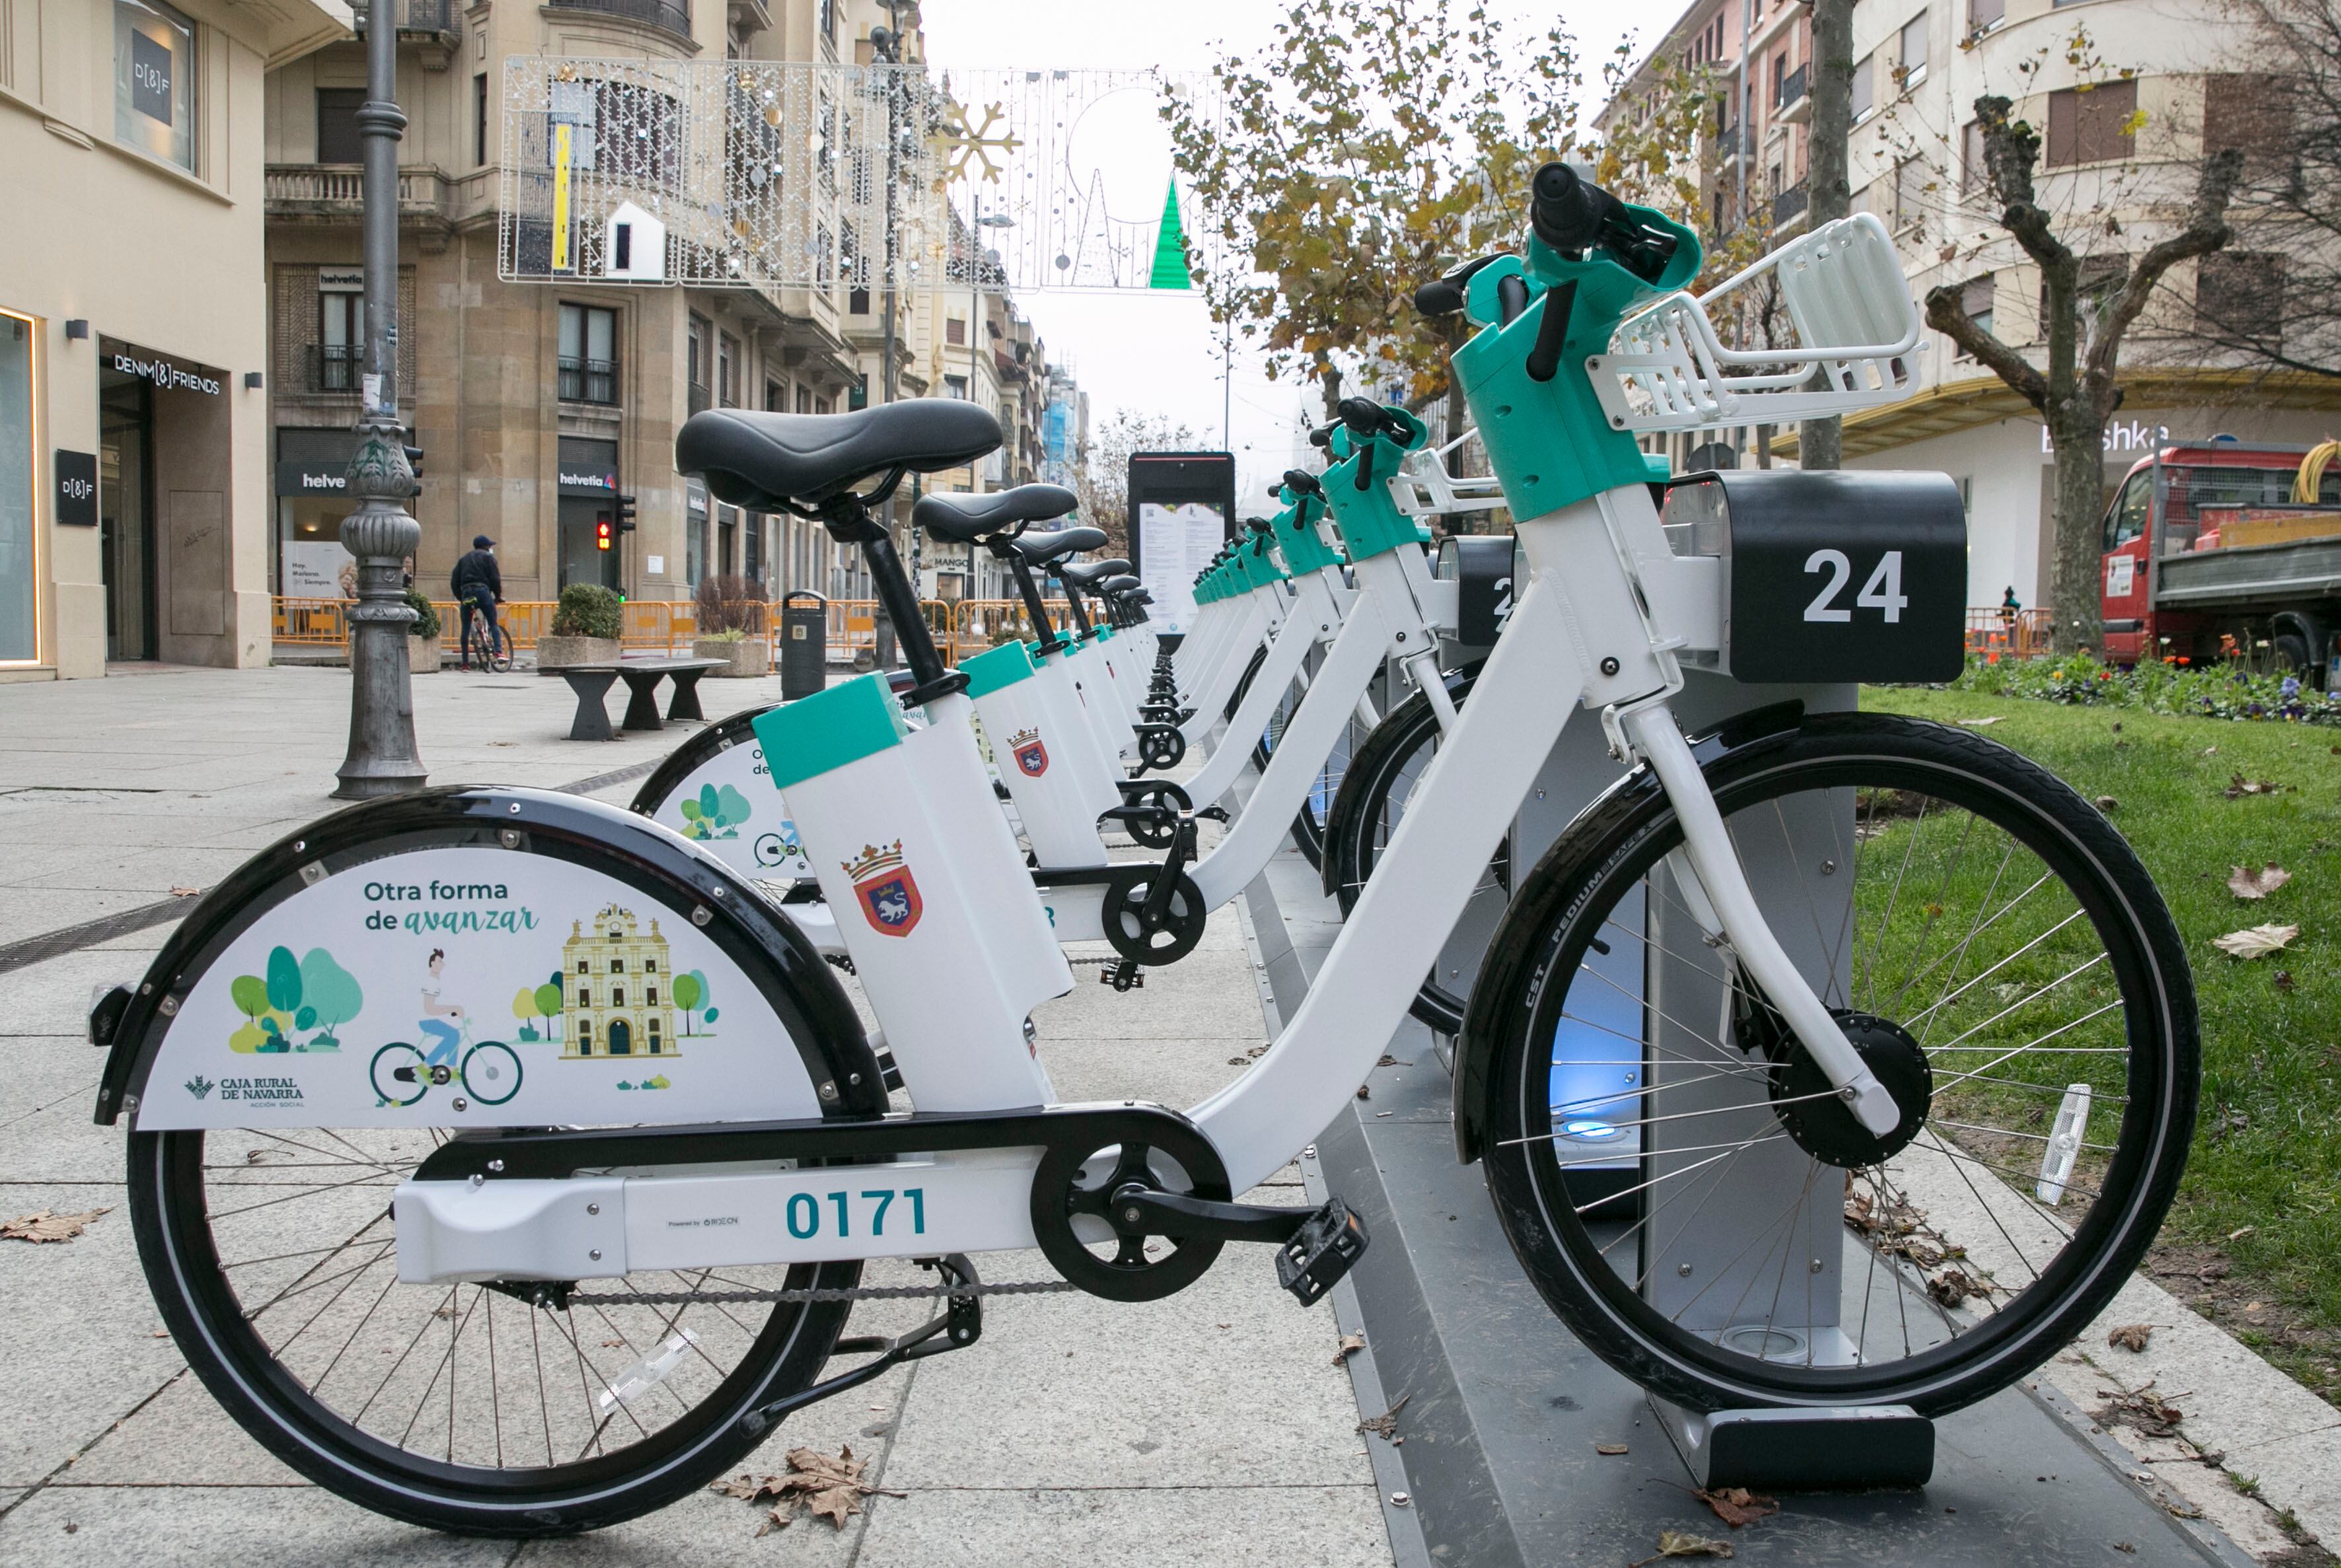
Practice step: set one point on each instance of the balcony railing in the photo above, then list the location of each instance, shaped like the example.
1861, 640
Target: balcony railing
425, 16
1789, 204
671, 14
589, 380
1790, 89
338, 191
334, 366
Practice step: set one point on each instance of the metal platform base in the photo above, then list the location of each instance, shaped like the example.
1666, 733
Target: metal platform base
1860, 1448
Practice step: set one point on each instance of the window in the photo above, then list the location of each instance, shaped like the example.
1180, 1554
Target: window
2092, 126
696, 355
584, 993
824, 255
2126, 519
955, 386
340, 337
1977, 297
650, 999
828, 18
1975, 174
650, 966
617, 996
824, 405
1912, 68
2240, 294
727, 371
18, 465
338, 141
589, 354
805, 400
1865, 92
1780, 77
155, 80
582, 968
1910, 186
858, 394
1983, 15
2101, 278
955, 330
2252, 114
776, 398
585, 1037
480, 119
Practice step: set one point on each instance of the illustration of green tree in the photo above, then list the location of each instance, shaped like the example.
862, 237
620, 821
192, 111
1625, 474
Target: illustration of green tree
250, 994
524, 1009
714, 813
548, 1005
689, 990
283, 994
330, 997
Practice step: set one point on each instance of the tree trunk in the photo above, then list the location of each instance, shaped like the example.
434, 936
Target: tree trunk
1330, 375
1458, 418
2078, 437
1819, 443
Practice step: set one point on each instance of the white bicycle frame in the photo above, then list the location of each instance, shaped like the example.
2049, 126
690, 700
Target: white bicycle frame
1602, 586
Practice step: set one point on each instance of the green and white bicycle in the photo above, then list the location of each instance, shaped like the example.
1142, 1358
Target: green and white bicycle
1894, 964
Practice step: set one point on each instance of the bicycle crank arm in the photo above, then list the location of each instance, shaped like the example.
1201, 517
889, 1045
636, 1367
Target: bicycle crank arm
1315, 1246
958, 1326
1708, 843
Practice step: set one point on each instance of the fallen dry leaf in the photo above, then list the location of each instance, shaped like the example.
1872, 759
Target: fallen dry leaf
186, 892
1953, 1286
1735, 1505
2283, 980
2257, 942
1980, 724
1364, 1092
1611, 1449
828, 1485
2107, 802
2245, 883
46, 1227
1351, 1343
2130, 1336
1682, 1543
1386, 1424
2239, 1236
2238, 786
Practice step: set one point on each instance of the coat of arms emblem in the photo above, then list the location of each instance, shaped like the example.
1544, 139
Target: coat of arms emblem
1031, 755
888, 895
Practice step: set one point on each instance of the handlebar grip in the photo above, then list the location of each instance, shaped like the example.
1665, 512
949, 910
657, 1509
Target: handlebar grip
1363, 415
1566, 212
1322, 436
1301, 481
1438, 297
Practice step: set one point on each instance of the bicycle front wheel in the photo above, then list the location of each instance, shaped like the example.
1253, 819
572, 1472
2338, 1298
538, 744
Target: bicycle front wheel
1687, 1191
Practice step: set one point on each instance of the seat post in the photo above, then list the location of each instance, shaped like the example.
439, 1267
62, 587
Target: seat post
1047, 641
849, 519
1080, 613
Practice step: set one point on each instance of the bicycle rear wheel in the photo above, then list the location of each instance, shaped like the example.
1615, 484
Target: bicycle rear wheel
500, 652
1687, 1193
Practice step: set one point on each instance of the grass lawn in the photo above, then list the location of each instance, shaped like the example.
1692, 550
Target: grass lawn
2254, 1240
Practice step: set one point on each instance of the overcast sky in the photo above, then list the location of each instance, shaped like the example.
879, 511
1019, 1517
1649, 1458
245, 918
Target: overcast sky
1159, 353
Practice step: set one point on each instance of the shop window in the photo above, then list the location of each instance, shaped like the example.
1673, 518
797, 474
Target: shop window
2095, 126
338, 141
155, 80
589, 354
17, 468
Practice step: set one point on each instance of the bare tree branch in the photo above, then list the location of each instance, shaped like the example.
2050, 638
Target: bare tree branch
2207, 231
2010, 150
1947, 313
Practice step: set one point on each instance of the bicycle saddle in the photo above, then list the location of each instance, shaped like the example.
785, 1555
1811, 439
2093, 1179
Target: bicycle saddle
1040, 549
963, 519
1088, 577
762, 460
1120, 584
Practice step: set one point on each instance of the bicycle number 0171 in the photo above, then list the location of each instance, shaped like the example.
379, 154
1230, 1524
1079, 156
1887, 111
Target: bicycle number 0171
1882, 592
872, 1211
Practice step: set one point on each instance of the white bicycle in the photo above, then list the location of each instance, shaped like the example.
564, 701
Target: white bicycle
1879, 956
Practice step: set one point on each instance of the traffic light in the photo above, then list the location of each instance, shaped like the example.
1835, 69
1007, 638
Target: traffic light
601, 533
625, 513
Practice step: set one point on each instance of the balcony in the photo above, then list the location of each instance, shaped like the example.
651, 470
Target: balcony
1723, 146
337, 191
1789, 203
671, 16
590, 380
436, 25
1792, 100
333, 366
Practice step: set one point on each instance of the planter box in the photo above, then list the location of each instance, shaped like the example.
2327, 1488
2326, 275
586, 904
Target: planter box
749, 657
552, 653
423, 655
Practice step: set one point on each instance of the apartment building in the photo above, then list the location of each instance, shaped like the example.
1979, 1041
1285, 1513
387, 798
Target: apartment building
133, 347
2128, 96
537, 404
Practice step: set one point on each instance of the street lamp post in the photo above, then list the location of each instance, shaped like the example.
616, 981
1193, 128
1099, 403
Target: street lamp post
383, 759
886, 46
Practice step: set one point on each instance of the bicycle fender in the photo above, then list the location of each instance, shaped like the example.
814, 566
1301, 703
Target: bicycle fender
1537, 897
286, 982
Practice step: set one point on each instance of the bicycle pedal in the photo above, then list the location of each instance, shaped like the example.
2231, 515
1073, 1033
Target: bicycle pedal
1122, 976
1325, 1247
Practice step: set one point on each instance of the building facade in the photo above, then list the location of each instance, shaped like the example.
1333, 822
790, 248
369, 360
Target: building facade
620, 989
2129, 96
133, 343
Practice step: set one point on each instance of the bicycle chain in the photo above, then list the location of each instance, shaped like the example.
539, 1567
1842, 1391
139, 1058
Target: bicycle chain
814, 1293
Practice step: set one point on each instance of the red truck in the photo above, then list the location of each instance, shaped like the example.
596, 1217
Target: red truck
2204, 542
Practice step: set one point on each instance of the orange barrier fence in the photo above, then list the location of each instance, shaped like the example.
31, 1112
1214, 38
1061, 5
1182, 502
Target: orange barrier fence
961, 628
2020, 636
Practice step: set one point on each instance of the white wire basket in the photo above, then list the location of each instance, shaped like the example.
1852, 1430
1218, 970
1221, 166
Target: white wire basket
1823, 326
1424, 486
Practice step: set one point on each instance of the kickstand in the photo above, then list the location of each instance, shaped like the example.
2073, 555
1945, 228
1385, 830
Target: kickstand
960, 1324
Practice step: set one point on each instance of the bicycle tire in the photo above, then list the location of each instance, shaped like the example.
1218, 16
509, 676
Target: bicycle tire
1556, 1222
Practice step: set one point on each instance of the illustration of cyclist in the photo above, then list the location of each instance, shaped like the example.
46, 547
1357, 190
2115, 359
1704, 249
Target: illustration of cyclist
446, 1037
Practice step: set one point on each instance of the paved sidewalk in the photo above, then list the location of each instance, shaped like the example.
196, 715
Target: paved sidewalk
1211, 1427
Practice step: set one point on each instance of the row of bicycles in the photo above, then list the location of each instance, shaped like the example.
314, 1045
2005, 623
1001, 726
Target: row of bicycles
1820, 1058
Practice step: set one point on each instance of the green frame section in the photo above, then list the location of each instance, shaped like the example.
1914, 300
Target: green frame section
820, 734
1369, 520
1303, 549
1549, 442
1004, 666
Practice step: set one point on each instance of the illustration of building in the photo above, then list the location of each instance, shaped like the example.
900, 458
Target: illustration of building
619, 988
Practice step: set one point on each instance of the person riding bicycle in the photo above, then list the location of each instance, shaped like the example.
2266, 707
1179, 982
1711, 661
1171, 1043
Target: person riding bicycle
445, 1037
479, 586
